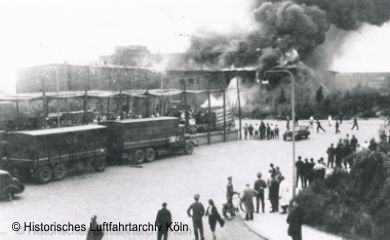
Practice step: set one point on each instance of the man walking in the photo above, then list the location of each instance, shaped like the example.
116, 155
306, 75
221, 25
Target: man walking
198, 212
259, 187
163, 220
355, 124
247, 198
319, 127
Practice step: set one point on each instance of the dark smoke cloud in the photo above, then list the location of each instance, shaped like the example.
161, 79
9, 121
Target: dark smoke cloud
280, 25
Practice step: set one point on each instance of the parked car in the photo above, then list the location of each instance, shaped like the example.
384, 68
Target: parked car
9, 186
301, 132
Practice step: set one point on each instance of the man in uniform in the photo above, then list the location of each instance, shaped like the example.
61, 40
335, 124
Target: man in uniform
274, 193
163, 219
230, 191
198, 212
259, 187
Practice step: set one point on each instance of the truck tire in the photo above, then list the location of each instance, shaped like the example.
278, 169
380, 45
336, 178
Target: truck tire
45, 174
139, 156
59, 171
99, 164
150, 154
189, 148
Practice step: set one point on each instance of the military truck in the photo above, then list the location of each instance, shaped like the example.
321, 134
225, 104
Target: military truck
142, 140
48, 154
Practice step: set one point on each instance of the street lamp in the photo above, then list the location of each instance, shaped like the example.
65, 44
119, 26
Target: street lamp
292, 78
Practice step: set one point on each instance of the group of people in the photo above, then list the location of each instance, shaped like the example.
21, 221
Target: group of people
339, 156
337, 124
262, 131
308, 171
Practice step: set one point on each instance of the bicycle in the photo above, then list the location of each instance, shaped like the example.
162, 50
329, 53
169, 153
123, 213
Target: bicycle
229, 211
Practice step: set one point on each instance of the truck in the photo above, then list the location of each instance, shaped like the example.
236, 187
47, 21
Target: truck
145, 139
48, 154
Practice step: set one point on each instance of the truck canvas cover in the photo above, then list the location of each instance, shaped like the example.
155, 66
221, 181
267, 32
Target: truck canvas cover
56, 143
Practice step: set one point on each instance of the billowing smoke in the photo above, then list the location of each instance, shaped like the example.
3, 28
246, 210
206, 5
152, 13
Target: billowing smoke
303, 25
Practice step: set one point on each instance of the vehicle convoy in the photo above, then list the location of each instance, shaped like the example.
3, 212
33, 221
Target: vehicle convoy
142, 140
9, 186
49, 154
301, 132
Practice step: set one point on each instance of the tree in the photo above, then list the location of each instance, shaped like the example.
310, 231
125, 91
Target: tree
319, 95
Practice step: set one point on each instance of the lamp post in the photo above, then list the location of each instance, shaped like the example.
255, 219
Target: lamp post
292, 78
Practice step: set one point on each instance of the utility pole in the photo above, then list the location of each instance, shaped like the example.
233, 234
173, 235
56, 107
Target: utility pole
185, 102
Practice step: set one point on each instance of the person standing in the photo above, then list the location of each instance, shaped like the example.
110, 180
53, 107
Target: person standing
285, 194
247, 198
259, 187
250, 130
163, 219
330, 120
256, 129
288, 123
276, 131
268, 132
214, 217
246, 131
311, 121
95, 231
337, 126
300, 171
196, 212
331, 153
354, 143
306, 172
355, 124
310, 174
274, 193
319, 127
339, 153
295, 221
230, 191
262, 130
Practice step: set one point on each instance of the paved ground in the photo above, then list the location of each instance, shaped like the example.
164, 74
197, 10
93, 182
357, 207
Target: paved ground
128, 194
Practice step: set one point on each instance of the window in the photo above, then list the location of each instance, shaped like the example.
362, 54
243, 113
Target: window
191, 81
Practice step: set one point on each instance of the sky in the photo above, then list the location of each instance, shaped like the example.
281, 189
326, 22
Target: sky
79, 31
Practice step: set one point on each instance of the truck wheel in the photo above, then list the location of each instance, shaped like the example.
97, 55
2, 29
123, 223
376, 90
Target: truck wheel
45, 174
139, 156
59, 171
99, 164
189, 148
150, 154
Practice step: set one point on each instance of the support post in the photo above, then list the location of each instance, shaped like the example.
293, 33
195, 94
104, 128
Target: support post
147, 105
224, 114
239, 106
209, 114
185, 102
293, 130
108, 108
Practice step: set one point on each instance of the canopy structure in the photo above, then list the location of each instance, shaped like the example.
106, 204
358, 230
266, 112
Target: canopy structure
101, 94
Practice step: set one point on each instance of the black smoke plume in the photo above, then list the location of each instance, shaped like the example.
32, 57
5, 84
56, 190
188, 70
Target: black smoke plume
281, 25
